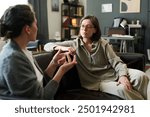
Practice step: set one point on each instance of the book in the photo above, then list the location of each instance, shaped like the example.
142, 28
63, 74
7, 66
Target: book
66, 21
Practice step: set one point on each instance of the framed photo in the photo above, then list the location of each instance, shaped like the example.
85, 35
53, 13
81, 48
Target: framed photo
106, 8
55, 5
129, 6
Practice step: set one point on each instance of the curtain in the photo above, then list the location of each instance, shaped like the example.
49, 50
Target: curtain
40, 8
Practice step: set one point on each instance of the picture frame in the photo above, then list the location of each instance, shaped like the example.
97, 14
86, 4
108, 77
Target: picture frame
55, 5
129, 6
106, 8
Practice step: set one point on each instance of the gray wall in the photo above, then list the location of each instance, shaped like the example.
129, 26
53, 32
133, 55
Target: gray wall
106, 19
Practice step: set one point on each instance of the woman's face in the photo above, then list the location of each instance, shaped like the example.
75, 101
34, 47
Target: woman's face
87, 29
34, 29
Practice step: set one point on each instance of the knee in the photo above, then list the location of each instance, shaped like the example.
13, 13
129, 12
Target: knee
122, 90
129, 94
138, 77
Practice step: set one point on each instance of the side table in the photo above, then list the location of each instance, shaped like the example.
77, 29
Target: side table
123, 43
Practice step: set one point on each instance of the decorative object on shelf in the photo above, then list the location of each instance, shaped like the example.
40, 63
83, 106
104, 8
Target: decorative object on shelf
132, 22
124, 23
66, 22
55, 5
57, 35
117, 21
74, 22
138, 22
120, 22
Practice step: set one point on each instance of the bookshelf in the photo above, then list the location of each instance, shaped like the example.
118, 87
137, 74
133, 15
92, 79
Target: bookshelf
71, 15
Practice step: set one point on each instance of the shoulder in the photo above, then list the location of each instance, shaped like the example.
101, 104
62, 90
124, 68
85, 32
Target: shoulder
13, 58
103, 41
15, 62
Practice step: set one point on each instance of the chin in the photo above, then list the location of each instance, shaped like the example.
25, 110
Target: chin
84, 36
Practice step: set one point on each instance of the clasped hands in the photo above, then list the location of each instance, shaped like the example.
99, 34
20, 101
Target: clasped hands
66, 58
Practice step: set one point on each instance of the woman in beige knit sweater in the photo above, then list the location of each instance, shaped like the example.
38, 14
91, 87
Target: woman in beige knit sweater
99, 68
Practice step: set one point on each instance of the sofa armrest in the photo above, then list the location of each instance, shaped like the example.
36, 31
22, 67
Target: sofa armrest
43, 58
133, 60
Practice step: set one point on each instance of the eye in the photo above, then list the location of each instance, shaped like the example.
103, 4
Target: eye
87, 26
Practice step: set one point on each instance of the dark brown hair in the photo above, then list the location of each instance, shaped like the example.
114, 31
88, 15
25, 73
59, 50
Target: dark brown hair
14, 19
96, 36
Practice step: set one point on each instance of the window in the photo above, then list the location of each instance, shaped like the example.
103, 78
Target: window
6, 3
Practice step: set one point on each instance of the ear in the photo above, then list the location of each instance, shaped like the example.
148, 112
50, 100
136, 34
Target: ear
27, 29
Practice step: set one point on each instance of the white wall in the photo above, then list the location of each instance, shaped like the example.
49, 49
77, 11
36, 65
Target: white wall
6, 3
3, 6
54, 18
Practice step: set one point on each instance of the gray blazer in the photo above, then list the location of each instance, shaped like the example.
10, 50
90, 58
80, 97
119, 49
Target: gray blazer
18, 78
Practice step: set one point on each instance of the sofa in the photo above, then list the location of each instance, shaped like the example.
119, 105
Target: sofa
70, 87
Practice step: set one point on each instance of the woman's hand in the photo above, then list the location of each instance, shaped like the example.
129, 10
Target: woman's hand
62, 59
69, 62
59, 58
71, 50
124, 80
67, 65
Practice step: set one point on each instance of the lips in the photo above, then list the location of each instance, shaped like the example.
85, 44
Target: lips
84, 33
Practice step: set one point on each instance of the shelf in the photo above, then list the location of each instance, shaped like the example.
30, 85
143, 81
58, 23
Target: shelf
71, 15
134, 29
134, 26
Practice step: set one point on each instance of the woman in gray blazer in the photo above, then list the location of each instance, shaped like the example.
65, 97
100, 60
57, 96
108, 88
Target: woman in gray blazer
19, 74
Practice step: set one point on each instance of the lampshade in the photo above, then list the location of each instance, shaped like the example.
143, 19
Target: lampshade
123, 23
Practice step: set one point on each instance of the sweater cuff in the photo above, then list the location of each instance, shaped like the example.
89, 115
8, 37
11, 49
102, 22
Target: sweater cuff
46, 79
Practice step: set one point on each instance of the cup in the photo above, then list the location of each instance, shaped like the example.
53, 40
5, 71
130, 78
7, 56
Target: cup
57, 35
138, 22
132, 22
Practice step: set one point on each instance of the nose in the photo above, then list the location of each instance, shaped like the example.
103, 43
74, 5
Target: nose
84, 28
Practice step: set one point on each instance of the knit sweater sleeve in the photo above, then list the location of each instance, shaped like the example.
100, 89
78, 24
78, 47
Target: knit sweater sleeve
51, 45
115, 61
